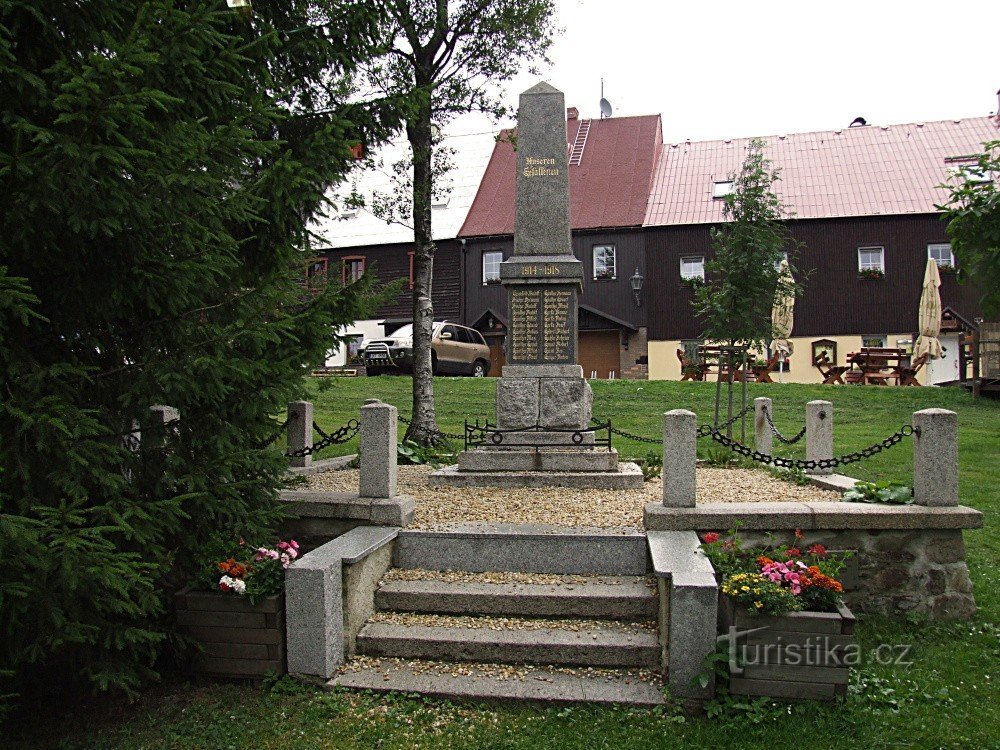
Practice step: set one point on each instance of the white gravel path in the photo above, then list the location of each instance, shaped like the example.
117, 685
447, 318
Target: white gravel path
440, 507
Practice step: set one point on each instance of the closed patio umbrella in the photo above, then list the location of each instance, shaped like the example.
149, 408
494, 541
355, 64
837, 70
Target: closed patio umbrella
929, 317
782, 319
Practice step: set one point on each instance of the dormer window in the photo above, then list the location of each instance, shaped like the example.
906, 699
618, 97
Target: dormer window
722, 188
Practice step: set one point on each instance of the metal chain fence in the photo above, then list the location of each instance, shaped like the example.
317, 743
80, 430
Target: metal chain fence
432, 433
338, 436
805, 464
774, 430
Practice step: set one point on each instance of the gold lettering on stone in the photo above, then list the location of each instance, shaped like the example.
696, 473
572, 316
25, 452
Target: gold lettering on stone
524, 305
539, 167
548, 269
557, 327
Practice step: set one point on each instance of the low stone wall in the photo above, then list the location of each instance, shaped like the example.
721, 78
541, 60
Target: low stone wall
910, 559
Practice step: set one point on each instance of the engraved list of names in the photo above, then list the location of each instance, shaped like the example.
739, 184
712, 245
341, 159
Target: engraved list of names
542, 328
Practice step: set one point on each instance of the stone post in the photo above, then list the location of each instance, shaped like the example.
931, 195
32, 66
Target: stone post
680, 434
159, 416
377, 453
935, 457
763, 439
300, 431
819, 433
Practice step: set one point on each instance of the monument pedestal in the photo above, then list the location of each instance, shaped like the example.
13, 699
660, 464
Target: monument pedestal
544, 405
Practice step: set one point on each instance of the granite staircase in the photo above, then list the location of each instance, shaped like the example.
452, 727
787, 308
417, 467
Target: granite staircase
496, 636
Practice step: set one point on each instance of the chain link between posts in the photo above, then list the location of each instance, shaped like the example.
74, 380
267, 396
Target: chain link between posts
431, 433
787, 441
338, 436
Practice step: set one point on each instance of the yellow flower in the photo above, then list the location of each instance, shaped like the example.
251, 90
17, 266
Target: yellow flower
745, 588
758, 605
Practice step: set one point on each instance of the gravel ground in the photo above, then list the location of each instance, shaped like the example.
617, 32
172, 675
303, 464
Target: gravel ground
518, 672
441, 507
485, 622
547, 579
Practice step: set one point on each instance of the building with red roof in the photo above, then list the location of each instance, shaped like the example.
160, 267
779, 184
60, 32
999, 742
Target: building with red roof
611, 168
858, 198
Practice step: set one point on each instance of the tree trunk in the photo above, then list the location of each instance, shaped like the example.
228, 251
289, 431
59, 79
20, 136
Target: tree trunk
423, 427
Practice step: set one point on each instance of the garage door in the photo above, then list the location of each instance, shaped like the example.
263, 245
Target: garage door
599, 352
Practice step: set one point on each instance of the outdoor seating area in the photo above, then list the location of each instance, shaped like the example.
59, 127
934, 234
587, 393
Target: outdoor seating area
711, 360
874, 366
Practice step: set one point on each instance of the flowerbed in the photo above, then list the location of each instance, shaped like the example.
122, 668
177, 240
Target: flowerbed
789, 633
235, 611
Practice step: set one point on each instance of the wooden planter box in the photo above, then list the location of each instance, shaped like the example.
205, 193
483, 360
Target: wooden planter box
235, 638
798, 656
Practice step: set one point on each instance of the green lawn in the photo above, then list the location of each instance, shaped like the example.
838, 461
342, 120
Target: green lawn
946, 699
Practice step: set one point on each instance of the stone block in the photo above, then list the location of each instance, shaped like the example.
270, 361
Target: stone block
300, 431
953, 607
517, 403
943, 548
565, 403
935, 457
377, 450
819, 433
627, 476
559, 460
763, 437
680, 455
542, 371
314, 600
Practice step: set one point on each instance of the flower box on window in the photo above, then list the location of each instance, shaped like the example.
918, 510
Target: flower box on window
606, 275
871, 273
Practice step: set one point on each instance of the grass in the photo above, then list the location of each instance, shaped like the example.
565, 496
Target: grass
946, 698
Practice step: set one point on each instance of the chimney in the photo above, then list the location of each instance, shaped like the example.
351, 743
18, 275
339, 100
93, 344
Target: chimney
572, 113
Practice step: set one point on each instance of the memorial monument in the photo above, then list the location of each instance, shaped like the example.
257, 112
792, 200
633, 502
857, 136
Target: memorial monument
543, 404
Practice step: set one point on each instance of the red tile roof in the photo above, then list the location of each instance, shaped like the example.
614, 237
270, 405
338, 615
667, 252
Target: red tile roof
860, 171
609, 188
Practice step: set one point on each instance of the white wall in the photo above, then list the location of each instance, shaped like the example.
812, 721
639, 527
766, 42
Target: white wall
368, 328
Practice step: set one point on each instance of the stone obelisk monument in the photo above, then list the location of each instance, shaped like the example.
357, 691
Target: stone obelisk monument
542, 383
543, 405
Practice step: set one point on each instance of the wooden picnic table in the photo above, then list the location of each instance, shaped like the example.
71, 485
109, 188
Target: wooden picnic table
832, 374
876, 365
711, 359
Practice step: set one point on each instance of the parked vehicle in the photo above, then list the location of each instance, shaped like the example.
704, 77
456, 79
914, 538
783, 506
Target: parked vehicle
455, 350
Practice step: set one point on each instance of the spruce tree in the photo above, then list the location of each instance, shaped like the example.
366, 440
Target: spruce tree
159, 162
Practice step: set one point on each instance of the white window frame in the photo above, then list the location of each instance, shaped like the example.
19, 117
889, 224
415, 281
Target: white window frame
881, 258
700, 260
972, 173
614, 262
488, 254
941, 246
721, 188
883, 340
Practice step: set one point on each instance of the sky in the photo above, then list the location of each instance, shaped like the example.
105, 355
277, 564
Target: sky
723, 69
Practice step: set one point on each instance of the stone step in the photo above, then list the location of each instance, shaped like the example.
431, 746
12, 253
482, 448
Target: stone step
628, 476
593, 644
611, 598
558, 460
488, 683
527, 548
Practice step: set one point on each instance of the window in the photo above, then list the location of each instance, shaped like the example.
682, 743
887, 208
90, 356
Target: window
974, 173
411, 268
316, 273
693, 268
870, 259
354, 269
777, 263
464, 335
873, 341
824, 350
477, 337
722, 188
491, 266
604, 262
942, 255
452, 331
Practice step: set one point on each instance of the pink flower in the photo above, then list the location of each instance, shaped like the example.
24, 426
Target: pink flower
817, 549
295, 545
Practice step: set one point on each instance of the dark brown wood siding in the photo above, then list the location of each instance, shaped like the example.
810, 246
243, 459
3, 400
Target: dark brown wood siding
392, 262
835, 300
610, 297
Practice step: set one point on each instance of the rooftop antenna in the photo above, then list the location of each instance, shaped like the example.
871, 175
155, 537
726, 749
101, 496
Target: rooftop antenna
605, 104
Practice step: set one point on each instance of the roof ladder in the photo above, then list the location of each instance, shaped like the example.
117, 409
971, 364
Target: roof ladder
576, 155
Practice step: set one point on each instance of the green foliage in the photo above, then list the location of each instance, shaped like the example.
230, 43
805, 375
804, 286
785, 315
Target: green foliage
651, 465
159, 164
719, 457
435, 455
742, 278
973, 213
794, 476
879, 492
